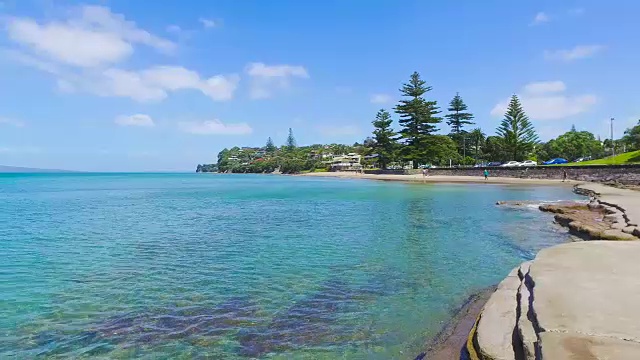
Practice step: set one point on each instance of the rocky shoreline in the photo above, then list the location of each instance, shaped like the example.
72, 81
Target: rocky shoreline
576, 300
449, 343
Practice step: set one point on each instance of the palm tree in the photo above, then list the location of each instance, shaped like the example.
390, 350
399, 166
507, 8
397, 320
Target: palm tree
477, 138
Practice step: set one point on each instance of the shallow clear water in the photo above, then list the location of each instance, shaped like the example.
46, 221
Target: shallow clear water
225, 266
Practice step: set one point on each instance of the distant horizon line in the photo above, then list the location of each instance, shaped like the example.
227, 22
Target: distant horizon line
6, 169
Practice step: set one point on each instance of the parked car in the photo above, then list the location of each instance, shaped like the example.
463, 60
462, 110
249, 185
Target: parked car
511, 164
528, 163
494, 163
586, 158
555, 161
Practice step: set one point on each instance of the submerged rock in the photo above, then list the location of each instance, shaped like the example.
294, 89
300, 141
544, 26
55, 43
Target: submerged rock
314, 321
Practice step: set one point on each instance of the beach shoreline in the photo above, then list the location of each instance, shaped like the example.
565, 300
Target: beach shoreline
444, 179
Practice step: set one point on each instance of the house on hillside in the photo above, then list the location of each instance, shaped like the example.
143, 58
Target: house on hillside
349, 162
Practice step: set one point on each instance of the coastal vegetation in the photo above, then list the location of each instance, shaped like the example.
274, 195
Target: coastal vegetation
416, 140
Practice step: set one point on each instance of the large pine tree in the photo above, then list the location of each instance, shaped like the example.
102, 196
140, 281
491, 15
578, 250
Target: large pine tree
517, 132
270, 148
291, 141
417, 118
458, 118
384, 138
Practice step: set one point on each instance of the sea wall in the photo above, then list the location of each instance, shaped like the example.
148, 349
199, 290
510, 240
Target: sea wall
573, 301
621, 174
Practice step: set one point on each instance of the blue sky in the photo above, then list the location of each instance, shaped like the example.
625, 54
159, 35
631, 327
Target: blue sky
124, 85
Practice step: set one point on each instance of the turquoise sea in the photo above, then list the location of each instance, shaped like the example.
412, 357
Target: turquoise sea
171, 266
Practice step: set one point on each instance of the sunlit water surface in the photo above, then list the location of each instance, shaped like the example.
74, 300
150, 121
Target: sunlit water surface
231, 267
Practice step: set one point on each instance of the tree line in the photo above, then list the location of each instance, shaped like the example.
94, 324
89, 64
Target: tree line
288, 158
417, 140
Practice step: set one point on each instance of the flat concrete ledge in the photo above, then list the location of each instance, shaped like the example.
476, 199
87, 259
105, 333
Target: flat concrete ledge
498, 321
574, 301
584, 347
589, 288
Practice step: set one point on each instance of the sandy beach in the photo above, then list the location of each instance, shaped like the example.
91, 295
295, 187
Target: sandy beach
444, 179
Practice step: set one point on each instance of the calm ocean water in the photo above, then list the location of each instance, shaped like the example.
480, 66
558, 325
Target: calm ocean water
170, 266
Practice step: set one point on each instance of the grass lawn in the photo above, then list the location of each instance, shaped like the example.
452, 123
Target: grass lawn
632, 157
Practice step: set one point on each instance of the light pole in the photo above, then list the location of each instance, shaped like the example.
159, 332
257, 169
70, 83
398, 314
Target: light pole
613, 148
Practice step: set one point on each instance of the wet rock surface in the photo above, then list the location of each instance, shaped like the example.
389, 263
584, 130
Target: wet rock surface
592, 221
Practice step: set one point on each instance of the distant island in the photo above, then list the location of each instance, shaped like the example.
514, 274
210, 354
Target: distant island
18, 169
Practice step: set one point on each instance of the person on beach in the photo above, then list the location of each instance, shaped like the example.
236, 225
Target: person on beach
486, 174
424, 172
564, 175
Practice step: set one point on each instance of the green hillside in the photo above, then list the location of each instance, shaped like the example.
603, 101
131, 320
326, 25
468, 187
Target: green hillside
632, 157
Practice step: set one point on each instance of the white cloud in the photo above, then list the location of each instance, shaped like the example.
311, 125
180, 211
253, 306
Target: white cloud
339, 130
575, 53
545, 87
547, 101
214, 127
152, 84
276, 71
92, 36
208, 23
135, 120
11, 122
102, 19
83, 49
76, 47
540, 18
218, 88
268, 78
121, 83
380, 99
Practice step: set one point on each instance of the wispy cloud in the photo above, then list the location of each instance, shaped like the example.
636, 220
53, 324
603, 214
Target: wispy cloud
545, 87
11, 122
576, 11
214, 127
208, 23
267, 79
575, 53
343, 90
174, 29
380, 99
548, 101
19, 150
540, 18
148, 85
135, 120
